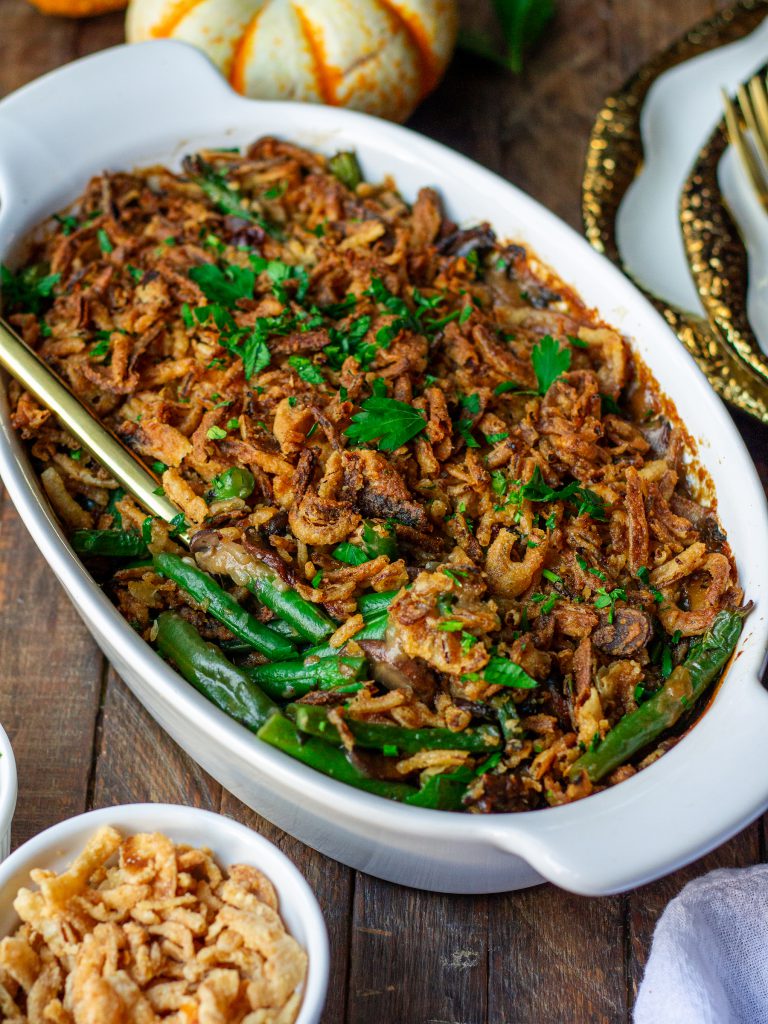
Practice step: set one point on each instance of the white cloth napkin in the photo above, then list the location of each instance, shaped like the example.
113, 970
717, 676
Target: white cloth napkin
709, 958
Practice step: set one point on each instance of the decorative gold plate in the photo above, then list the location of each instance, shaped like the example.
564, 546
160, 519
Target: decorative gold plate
614, 158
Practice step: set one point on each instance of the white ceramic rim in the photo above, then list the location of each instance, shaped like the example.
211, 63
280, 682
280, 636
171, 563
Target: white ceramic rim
8, 791
625, 836
296, 899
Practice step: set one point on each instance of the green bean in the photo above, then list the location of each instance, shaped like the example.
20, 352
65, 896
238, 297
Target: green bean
374, 629
331, 761
346, 168
276, 625
286, 680
509, 720
310, 622
660, 712
313, 719
235, 482
372, 605
443, 792
111, 543
446, 791
205, 667
283, 628
223, 607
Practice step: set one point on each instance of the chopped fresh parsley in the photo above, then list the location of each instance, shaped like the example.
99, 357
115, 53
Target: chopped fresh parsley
547, 601
467, 641
451, 626
643, 575
101, 348
104, 241
187, 316
30, 290
306, 369
350, 341
387, 421
606, 599
68, 223
349, 553
178, 524
499, 482
280, 273
550, 361
471, 404
276, 191
503, 672
583, 564
217, 189
577, 342
224, 285
255, 352
215, 433
586, 501
454, 574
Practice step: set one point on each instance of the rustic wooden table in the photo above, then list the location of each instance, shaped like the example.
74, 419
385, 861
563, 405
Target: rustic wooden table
83, 741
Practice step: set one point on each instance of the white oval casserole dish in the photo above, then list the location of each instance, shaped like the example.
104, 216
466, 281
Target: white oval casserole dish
153, 102
228, 840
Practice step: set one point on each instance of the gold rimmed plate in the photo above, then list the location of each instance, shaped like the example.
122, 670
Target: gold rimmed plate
627, 156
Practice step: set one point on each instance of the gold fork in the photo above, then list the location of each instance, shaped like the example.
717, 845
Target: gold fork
33, 374
752, 149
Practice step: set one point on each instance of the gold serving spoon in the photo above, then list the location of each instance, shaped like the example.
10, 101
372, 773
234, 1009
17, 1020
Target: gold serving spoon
123, 464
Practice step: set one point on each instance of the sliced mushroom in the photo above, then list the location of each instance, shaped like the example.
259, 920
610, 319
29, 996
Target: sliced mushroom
396, 671
461, 243
629, 632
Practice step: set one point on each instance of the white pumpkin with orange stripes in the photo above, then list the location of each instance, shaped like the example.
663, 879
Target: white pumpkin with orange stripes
380, 56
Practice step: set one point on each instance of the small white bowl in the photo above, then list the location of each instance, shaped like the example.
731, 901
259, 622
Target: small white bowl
8, 792
230, 842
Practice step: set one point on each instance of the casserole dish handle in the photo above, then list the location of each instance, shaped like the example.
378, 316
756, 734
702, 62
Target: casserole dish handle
662, 817
141, 87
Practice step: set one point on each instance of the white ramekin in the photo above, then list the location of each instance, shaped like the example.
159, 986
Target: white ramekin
230, 842
8, 792
156, 101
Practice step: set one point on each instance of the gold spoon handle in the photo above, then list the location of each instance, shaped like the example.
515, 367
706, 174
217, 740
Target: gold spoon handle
30, 371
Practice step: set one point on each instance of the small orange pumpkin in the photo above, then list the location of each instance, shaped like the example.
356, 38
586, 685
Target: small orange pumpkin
78, 8
380, 56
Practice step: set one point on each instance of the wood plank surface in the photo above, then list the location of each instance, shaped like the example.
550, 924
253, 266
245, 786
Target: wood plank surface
82, 740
